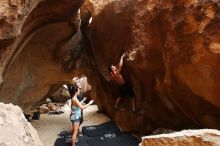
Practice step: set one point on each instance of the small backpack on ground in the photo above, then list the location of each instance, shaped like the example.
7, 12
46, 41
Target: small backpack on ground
36, 116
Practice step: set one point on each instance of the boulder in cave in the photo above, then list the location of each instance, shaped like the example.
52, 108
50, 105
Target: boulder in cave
15, 129
172, 60
31, 57
203, 137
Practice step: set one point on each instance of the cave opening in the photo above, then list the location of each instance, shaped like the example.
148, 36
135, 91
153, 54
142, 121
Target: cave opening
56, 109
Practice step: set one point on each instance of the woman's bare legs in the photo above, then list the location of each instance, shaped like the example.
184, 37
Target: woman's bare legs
75, 132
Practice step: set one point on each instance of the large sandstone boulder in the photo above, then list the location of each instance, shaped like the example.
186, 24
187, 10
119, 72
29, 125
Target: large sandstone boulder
62, 94
82, 82
172, 60
31, 57
15, 129
204, 137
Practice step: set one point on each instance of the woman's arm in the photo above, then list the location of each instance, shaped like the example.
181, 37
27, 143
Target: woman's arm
76, 101
84, 99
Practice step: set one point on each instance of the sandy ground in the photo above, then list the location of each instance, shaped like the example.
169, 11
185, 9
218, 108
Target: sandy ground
50, 125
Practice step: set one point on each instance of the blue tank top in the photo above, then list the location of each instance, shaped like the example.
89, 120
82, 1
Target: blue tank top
75, 113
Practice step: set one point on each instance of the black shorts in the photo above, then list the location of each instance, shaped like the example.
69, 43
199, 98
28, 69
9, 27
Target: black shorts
126, 91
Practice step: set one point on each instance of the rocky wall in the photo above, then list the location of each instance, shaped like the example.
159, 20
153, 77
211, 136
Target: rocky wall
172, 56
32, 57
172, 61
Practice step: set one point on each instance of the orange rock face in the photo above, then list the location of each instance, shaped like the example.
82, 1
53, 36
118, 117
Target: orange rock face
31, 37
172, 57
172, 62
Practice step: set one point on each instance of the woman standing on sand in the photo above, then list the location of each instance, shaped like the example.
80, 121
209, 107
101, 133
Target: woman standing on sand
76, 108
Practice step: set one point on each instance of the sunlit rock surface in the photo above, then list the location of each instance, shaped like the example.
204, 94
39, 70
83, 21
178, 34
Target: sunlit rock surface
15, 129
204, 137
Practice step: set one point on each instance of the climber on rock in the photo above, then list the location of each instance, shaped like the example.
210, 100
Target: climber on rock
124, 88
